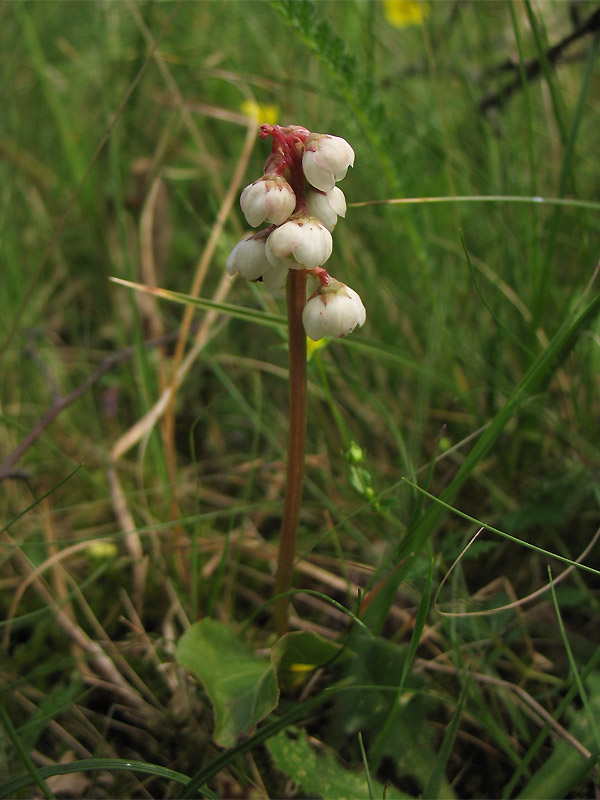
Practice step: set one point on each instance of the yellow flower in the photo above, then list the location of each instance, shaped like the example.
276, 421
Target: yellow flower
262, 113
402, 13
312, 347
102, 549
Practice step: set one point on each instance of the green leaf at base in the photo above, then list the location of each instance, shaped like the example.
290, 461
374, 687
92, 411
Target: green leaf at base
319, 773
241, 685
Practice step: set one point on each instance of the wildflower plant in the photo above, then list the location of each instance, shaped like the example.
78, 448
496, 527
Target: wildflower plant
298, 199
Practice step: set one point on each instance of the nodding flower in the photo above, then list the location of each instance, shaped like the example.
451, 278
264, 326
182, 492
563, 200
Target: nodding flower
269, 199
301, 242
248, 258
326, 206
298, 200
325, 160
333, 310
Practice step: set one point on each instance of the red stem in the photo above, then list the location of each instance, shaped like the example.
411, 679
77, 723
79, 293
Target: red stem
296, 299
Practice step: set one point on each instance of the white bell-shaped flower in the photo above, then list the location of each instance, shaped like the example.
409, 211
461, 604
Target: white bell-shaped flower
270, 199
326, 160
275, 277
333, 310
301, 242
326, 206
248, 258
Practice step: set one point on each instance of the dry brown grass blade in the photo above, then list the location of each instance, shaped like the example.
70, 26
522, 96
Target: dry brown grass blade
154, 238
164, 409
526, 699
117, 658
517, 603
97, 657
143, 427
133, 541
57, 730
153, 214
182, 364
206, 258
51, 561
168, 671
58, 578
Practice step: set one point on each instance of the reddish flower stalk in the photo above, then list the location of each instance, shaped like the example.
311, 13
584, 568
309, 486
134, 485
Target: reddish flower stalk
296, 294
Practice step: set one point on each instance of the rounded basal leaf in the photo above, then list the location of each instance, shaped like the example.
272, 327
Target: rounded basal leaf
318, 770
241, 685
299, 654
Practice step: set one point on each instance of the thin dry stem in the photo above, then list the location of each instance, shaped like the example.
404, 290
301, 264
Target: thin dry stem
100, 661
524, 696
133, 541
203, 265
143, 427
517, 603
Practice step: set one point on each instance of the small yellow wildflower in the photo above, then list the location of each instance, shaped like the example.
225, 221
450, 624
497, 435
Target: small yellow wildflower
261, 112
102, 549
402, 13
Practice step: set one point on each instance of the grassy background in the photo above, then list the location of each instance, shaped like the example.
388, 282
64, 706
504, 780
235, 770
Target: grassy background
122, 549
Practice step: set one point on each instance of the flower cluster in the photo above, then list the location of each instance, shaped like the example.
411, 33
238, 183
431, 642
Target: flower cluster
298, 199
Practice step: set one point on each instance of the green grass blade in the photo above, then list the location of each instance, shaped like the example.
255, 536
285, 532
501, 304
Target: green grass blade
565, 173
34, 776
418, 533
562, 341
510, 537
540, 738
434, 784
412, 649
537, 743
546, 69
39, 499
9, 788
366, 766
575, 672
511, 334
567, 202
62, 119
237, 312
262, 735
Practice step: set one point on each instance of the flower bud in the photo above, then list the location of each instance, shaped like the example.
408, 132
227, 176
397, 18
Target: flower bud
333, 310
301, 242
326, 160
269, 199
248, 258
326, 206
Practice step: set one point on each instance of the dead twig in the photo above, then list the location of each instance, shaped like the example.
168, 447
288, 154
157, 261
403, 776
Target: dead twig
6, 469
533, 67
